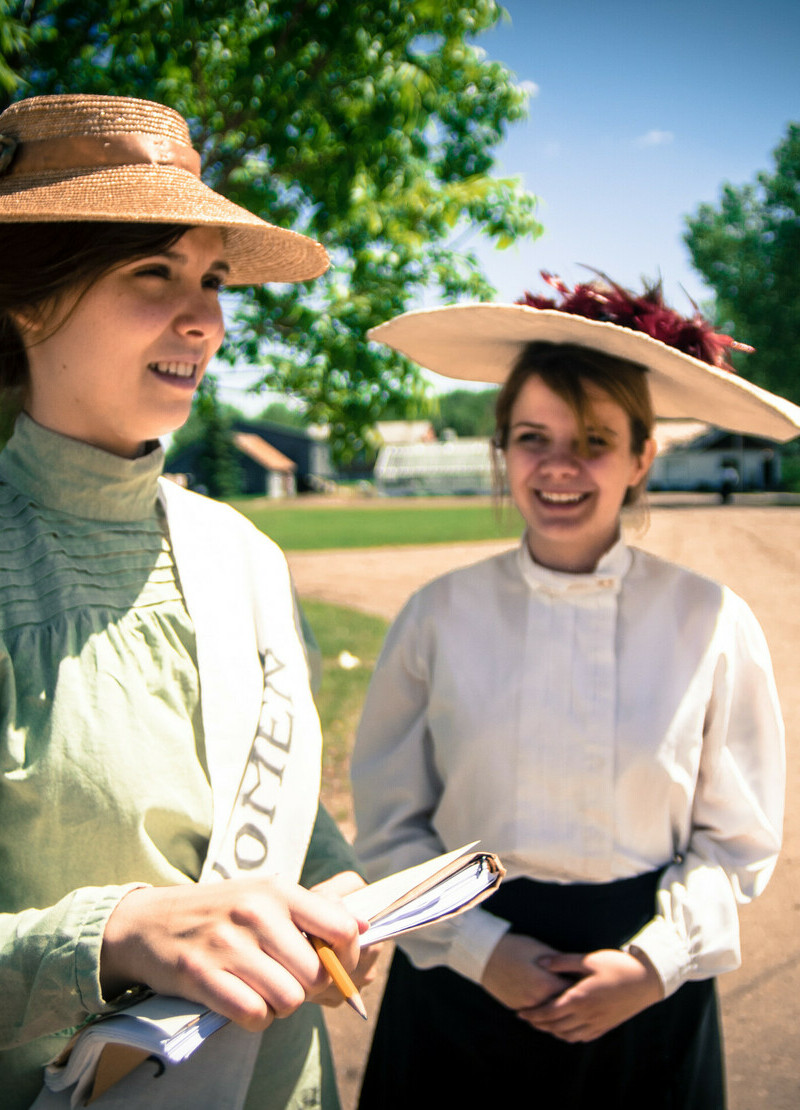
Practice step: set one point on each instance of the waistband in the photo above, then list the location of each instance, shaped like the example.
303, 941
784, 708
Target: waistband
577, 917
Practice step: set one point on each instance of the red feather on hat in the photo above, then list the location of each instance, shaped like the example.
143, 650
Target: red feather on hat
645, 312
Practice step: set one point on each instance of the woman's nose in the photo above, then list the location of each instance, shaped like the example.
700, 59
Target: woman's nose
560, 460
201, 316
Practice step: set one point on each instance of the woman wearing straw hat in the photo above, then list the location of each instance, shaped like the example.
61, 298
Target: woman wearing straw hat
605, 721
156, 724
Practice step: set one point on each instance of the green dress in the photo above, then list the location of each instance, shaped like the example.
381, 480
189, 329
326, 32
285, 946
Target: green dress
103, 777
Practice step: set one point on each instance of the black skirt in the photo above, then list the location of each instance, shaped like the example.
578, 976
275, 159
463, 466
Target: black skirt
441, 1041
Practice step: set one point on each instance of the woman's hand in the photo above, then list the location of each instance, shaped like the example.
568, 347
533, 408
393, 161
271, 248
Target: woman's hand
366, 969
612, 986
237, 947
514, 976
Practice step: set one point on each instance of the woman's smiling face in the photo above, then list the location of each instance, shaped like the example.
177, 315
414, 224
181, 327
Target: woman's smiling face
570, 496
124, 359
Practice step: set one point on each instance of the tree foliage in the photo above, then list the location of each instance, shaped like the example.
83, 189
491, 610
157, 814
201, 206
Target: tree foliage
747, 248
467, 412
277, 412
368, 124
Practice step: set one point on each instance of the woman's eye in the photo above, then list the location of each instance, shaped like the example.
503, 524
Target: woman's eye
213, 282
597, 443
154, 270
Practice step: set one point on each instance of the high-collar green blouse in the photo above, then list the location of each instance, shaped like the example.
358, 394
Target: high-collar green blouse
103, 781
102, 778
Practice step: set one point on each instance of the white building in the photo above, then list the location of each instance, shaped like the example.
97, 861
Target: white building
457, 466
692, 456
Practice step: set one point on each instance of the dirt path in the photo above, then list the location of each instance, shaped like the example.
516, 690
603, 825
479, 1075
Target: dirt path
755, 550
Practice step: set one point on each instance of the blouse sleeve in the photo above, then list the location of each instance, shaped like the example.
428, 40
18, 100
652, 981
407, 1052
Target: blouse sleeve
396, 789
50, 961
737, 815
50, 958
328, 852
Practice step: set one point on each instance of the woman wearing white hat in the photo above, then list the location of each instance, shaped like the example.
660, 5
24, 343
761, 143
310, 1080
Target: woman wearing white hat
605, 721
156, 724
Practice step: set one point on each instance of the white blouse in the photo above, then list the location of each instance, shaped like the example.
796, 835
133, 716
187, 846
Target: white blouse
586, 728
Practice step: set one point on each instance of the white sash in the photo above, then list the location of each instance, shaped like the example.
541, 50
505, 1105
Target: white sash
263, 746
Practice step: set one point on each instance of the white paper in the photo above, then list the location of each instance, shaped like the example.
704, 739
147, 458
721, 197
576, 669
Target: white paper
373, 899
170, 1028
446, 897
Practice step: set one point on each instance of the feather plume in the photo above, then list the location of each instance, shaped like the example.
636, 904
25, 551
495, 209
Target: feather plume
604, 299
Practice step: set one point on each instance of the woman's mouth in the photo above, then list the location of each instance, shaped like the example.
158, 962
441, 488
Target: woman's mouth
174, 369
550, 497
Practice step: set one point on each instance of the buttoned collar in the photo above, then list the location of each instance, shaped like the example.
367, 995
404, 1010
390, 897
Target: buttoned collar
606, 578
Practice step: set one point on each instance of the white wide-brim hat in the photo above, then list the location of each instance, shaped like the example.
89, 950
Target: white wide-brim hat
481, 343
123, 160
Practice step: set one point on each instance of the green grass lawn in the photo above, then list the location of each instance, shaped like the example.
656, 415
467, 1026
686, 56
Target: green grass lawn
296, 527
341, 694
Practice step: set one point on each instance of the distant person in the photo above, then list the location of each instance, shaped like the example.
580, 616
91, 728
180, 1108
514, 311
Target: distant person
606, 721
156, 722
728, 481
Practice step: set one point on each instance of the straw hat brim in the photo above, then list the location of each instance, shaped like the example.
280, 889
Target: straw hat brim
255, 250
481, 343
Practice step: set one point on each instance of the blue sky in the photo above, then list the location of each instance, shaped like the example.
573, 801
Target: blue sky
640, 110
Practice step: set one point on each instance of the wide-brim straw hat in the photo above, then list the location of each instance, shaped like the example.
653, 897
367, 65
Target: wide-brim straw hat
113, 158
482, 342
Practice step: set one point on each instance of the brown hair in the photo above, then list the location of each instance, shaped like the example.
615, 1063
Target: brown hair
567, 369
44, 261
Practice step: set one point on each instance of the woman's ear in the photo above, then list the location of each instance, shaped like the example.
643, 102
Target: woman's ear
37, 322
28, 322
644, 460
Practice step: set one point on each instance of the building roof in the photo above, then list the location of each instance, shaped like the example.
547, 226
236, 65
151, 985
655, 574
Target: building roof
692, 435
262, 452
394, 433
670, 434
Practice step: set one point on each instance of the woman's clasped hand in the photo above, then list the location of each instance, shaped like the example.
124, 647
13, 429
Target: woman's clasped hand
605, 988
574, 997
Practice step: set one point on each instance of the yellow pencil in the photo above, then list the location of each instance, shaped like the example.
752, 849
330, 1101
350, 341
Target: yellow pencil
330, 961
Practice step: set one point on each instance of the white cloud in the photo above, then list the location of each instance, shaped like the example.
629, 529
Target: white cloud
655, 138
529, 87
